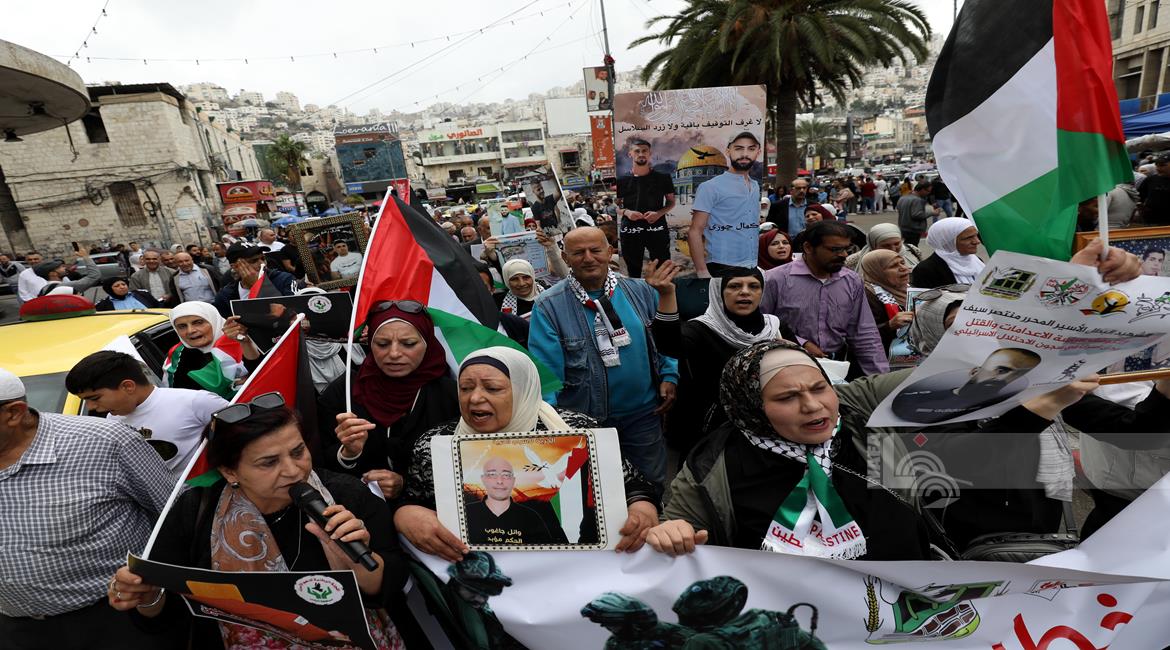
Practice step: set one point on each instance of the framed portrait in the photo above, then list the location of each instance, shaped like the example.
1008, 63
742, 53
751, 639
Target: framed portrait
331, 249
542, 490
1151, 245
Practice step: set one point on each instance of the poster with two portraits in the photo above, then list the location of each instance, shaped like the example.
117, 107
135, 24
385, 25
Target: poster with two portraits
1028, 326
689, 132
540, 490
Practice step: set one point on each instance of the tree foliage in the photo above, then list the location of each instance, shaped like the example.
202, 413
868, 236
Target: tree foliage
287, 156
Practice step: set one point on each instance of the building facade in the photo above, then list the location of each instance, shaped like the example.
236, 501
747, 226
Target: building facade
370, 156
142, 166
1141, 53
454, 155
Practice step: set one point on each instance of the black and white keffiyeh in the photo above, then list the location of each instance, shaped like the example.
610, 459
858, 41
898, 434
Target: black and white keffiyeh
607, 325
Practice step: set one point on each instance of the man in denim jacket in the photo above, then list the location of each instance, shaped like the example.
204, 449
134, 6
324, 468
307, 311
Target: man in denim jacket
592, 330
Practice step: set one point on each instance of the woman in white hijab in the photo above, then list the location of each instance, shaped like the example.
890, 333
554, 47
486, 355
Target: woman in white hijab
499, 391
955, 241
523, 288
889, 237
212, 352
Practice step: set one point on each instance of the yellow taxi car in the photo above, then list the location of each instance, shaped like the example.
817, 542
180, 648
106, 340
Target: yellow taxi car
42, 352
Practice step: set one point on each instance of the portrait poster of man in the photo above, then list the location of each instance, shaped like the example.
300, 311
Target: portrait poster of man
531, 491
267, 319
1027, 327
544, 196
684, 135
330, 249
524, 245
597, 89
317, 610
504, 219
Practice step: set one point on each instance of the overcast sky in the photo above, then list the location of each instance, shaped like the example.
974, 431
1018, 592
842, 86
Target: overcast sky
466, 68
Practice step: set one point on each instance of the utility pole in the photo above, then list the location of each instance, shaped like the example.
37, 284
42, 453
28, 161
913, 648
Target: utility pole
608, 58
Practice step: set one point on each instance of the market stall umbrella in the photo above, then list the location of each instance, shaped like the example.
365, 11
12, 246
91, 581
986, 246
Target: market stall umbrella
285, 221
251, 223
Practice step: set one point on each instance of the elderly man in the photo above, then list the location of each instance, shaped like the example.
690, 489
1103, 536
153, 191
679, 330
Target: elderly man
500, 520
788, 212
247, 261
469, 235
168, 260
154, 277
824, 303
589, 329
268, 238
193, 283
56, 274
28, 283
78, 492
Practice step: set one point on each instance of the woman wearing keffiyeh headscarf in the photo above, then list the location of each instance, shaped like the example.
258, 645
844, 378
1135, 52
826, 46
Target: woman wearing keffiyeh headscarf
785, 474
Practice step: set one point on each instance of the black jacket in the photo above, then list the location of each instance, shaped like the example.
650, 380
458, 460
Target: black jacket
932, 272
387, 447
229, 290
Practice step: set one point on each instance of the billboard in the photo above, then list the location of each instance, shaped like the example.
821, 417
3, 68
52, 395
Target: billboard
688, 131
597, 89
246, 192
565, 116
601, 130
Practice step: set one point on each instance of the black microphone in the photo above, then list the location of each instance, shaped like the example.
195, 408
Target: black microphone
309, 500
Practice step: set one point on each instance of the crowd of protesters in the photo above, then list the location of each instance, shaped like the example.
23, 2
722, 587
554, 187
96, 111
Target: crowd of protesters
720, 417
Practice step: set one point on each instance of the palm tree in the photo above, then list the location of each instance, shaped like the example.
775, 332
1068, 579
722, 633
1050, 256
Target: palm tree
821, 135
287, 156
798, 48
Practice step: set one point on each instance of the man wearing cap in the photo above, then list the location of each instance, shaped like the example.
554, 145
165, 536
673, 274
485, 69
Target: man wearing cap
154, 277
725, 223
246, 261
645, 197
56, 274
77, 493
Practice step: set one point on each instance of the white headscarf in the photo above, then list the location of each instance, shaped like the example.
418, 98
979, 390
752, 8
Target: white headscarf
716, 318
527, 405
520, 266
942, 236
207, 312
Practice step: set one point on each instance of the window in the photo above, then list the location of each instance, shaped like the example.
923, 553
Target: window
570, 159
486, 171
454, 175
126, 204
95, 128
369, 152
1141, 16
1153, 14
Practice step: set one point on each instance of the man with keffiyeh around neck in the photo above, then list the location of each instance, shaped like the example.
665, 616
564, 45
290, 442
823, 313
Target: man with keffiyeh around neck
590, 329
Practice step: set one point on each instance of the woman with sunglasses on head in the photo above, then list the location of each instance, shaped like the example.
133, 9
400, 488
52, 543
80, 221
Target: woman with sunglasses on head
499, 391
248, 522
402, 388
213, 354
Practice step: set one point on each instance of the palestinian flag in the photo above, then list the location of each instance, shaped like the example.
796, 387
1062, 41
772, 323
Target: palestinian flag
285, 370
409, 257
1025, 120
218, 375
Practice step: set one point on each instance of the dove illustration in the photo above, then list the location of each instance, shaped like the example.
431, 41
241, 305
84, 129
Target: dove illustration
554, 474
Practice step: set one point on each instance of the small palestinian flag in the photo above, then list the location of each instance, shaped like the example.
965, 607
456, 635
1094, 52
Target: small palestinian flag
218, 375
1025, 120
409, 257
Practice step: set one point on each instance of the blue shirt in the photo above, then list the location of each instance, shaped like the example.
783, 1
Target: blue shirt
796, 216
733, 229
129, 302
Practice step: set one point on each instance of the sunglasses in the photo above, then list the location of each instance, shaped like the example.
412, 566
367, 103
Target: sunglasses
408, 306
244, 410
937, 292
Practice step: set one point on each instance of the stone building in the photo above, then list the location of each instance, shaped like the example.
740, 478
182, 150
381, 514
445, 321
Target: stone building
140, 166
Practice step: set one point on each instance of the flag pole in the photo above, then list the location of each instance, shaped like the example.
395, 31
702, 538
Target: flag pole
353, 313
1103, 224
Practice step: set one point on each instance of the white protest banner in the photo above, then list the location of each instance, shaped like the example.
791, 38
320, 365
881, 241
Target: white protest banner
1088, 598
536, 490
1028, 326
524, 245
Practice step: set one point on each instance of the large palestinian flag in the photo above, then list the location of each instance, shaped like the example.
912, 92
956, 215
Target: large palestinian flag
409, 257
1025, 119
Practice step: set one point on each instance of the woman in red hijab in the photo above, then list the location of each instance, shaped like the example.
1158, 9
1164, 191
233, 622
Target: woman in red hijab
402, 388
775, 249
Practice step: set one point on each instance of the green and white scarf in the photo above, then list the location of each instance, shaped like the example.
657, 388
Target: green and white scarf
812, 520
